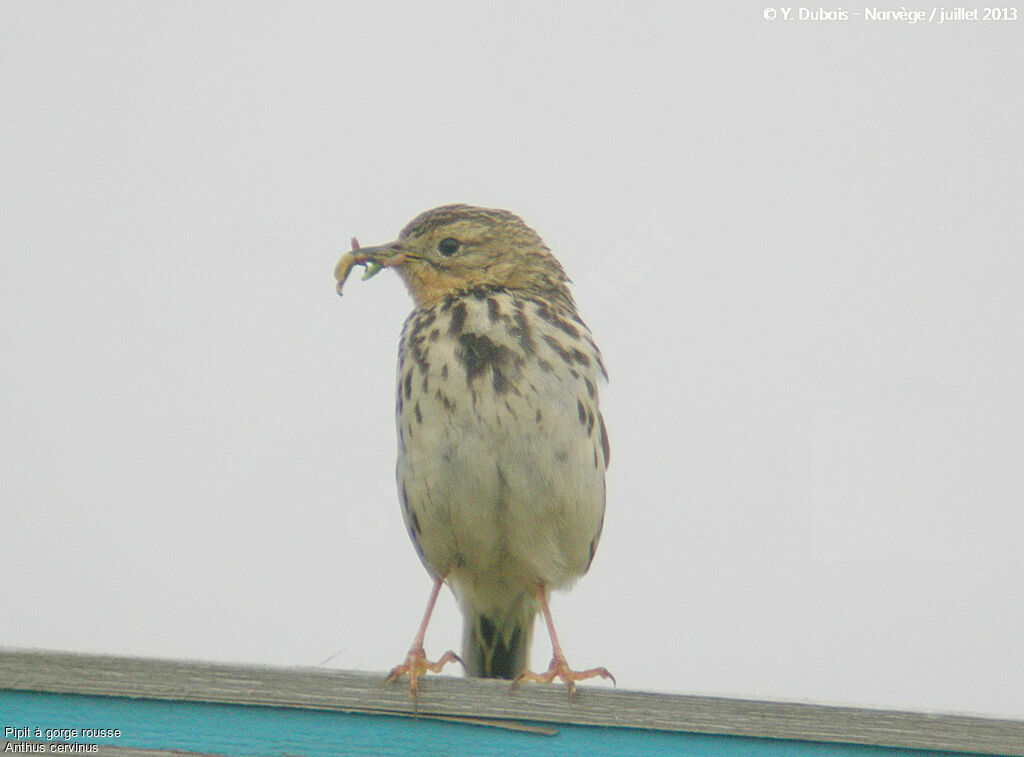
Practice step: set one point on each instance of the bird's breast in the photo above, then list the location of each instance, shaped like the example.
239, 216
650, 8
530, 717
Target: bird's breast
502, 449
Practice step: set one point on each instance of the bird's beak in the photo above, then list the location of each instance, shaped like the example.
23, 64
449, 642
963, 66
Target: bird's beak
382, 256
385, 255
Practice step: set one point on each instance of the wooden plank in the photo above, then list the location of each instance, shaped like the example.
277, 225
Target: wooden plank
313, 688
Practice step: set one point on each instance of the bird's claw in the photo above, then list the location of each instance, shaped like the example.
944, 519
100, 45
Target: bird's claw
560, 669
416, 664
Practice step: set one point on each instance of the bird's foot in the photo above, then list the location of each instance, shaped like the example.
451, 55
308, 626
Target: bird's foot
560, 669
416, 664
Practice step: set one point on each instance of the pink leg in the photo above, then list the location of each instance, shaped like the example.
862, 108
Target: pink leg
559, 668
416, 662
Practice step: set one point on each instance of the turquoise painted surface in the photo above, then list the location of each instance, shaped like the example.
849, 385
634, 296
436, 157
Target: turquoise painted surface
265, 731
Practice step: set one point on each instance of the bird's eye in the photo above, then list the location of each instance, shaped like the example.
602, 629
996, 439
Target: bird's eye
448, 246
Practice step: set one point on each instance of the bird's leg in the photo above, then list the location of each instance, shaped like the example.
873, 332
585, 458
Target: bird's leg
416, 662
559, 668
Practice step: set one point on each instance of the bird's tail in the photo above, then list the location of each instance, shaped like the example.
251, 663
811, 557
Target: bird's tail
498, 647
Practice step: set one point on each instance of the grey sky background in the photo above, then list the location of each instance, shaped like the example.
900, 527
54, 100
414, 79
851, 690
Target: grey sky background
797, 244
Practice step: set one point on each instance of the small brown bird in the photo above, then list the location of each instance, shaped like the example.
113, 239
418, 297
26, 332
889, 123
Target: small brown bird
501, 445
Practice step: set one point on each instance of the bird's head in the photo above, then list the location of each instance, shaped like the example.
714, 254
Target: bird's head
459, 248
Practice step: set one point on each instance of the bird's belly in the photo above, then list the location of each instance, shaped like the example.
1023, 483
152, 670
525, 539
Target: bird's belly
509, 488
501, 448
